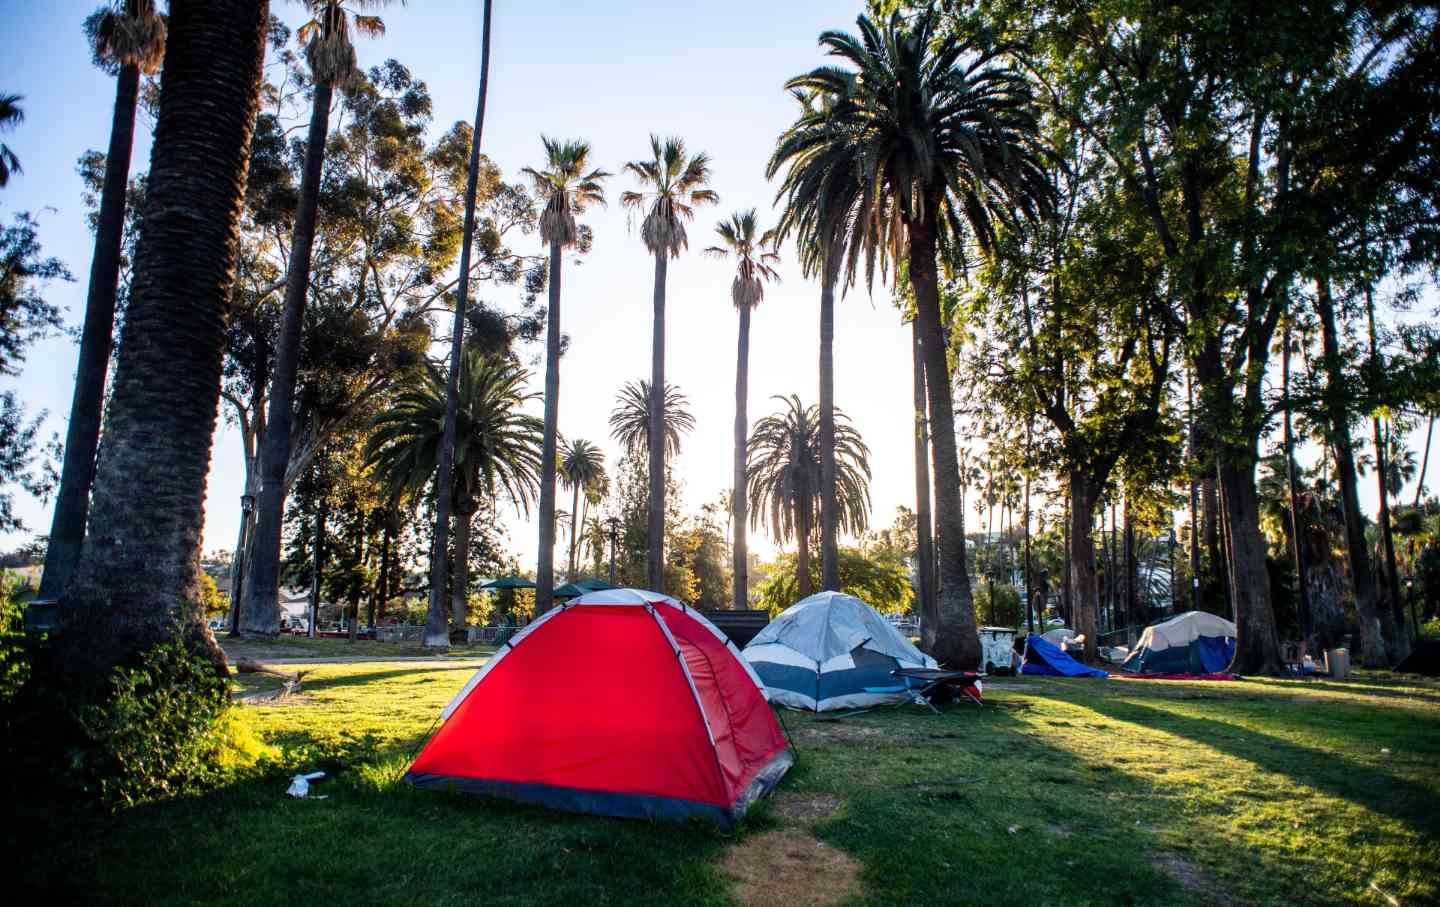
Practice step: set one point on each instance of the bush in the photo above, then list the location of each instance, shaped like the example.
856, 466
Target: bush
1430, 629
14, 648
998, 606
158, 734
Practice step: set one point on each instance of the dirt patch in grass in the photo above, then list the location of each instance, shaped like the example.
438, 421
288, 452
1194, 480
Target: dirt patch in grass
828, 731
1191, 877
791, 869
806, 808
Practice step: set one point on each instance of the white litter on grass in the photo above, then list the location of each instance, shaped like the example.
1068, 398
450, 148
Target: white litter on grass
300, 784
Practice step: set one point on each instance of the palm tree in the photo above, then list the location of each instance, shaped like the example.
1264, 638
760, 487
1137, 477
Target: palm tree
435, 619
755, 256
326, 39
582, 465
672, 186
139, 571
11, 115
568, 187
784, 478
130, 39
630, 419
939, 140
497, 447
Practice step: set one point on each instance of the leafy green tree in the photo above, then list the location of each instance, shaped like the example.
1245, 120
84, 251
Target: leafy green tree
944, 140
883, 585
139, 568
784, 477
328, 50
129, 39
673, 183
755, 258
497, 448
568, 186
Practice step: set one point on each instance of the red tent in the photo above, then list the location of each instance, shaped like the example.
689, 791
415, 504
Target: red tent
621, 702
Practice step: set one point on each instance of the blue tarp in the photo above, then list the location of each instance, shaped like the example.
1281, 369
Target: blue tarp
1044, 657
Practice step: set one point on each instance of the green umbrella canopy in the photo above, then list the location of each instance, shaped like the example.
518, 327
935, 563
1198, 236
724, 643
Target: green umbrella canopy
509, 582
580, 587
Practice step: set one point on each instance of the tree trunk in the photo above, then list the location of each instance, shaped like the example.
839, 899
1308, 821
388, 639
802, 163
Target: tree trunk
460, 582
739, 502
1067, 597
1195, 521
1362, 575
575, 525
139, 569
82, 436
545, 557
317, 570
436, 635
655, 556
1132, 615
1029, 579
924, 544
804, 588
382, 587
1301, 583
957, 642
261, 615
829, 514
1399, 639
1084, 580
1424, 461
1257, 648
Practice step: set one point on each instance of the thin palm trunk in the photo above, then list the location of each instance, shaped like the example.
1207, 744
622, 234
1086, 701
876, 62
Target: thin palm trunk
545, 557
1029, 584
957, 642
382, 582
924, 544
460, 582
261, 614
1424, 461
739, 503
82, 436
1399, 640
576, 523
435, 634
1303, 587
1362, 575
655, 560
804, 586
829, 513
139, 570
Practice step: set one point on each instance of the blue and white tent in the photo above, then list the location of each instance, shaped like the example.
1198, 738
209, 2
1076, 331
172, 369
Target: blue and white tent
832, 651
1195, 642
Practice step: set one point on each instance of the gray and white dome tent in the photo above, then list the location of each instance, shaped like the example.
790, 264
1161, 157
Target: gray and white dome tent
832, 651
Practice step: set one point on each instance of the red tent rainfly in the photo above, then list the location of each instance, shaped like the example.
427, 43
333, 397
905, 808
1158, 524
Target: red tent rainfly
621, 702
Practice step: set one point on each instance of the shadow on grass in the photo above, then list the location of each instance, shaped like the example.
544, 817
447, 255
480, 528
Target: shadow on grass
1383, 792
361, 679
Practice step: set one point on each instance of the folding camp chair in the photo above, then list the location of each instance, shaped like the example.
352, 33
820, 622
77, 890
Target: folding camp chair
931, 686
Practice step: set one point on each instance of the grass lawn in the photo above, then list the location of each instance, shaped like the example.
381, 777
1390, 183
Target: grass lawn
1064, 792
291, 648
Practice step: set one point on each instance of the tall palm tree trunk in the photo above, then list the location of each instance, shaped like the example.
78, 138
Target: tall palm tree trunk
460, 583
577, 522
82, 436
739, 503
1400, 641
957, 642
1362, 574
261, 613
1424, 461
924, 544
139, 570
829, 512
804, 586
435, 634
1303, 586
655, 559
545, 557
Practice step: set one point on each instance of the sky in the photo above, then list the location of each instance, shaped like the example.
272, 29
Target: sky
610, 74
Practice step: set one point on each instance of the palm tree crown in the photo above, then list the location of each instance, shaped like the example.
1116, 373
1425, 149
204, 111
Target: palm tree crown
915, 131
130, 33
672, 187
630, 420
326, 37
784, 472
581, 464
755, 256
497, 447
567, 188
10, 116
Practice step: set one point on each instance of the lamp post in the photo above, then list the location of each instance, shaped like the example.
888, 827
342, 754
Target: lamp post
237, 566
614, 525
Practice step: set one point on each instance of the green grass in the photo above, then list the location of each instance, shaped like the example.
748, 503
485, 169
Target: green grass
295, 647
1074, 792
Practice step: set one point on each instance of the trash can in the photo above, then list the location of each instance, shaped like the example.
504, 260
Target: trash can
1338, 663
